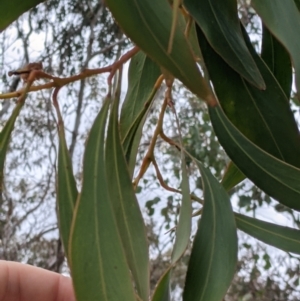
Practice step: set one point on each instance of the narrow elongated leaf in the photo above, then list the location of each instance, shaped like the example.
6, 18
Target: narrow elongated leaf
220, 23
98, 262
277, 178
126, 209
282, 18
284, 238
66, 185
175, 14
259, 115
232, 176
183, 232
162, 289
194, 42
148, 23
214, 254
142, 76
11, 10
183, 229
278, 61
132, 140
5, 138
297, 2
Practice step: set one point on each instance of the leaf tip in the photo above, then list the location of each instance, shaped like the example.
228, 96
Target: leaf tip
211, 100
262, 85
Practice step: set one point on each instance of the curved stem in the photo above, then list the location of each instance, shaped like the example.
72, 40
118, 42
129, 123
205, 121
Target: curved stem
60, 82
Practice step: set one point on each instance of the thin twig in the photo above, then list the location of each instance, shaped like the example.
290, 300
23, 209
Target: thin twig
124, 58
161, 180
165, 186
60, 82
149, 155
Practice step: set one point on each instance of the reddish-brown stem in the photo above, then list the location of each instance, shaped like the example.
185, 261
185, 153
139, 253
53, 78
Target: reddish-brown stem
59, 82
149, 155
56, 106
124, 58
161, 180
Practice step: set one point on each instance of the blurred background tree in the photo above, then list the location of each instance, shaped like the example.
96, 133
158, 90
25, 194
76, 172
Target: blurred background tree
68, 36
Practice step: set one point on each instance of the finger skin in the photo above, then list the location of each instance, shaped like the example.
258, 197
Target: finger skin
21, 282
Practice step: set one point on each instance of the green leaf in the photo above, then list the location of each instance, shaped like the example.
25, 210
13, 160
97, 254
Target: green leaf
183, 229
5, 138
98, 262
277, 178
220, 24
297, 2
214, 254
126, 208
278, 61
132, 140
183, 233
12, 9
284, 238
148, 23
232, 176
282, 18
259, 115
162, 289
66, 185
142, 76
193, 40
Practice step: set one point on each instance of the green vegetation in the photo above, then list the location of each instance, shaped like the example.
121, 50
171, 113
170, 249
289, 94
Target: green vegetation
243, 92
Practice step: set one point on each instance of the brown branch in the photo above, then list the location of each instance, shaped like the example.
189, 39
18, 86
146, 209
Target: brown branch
168, 140
161, 180
18, 93
124, 58
165, 186
180, 147
60, 82
149, 155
